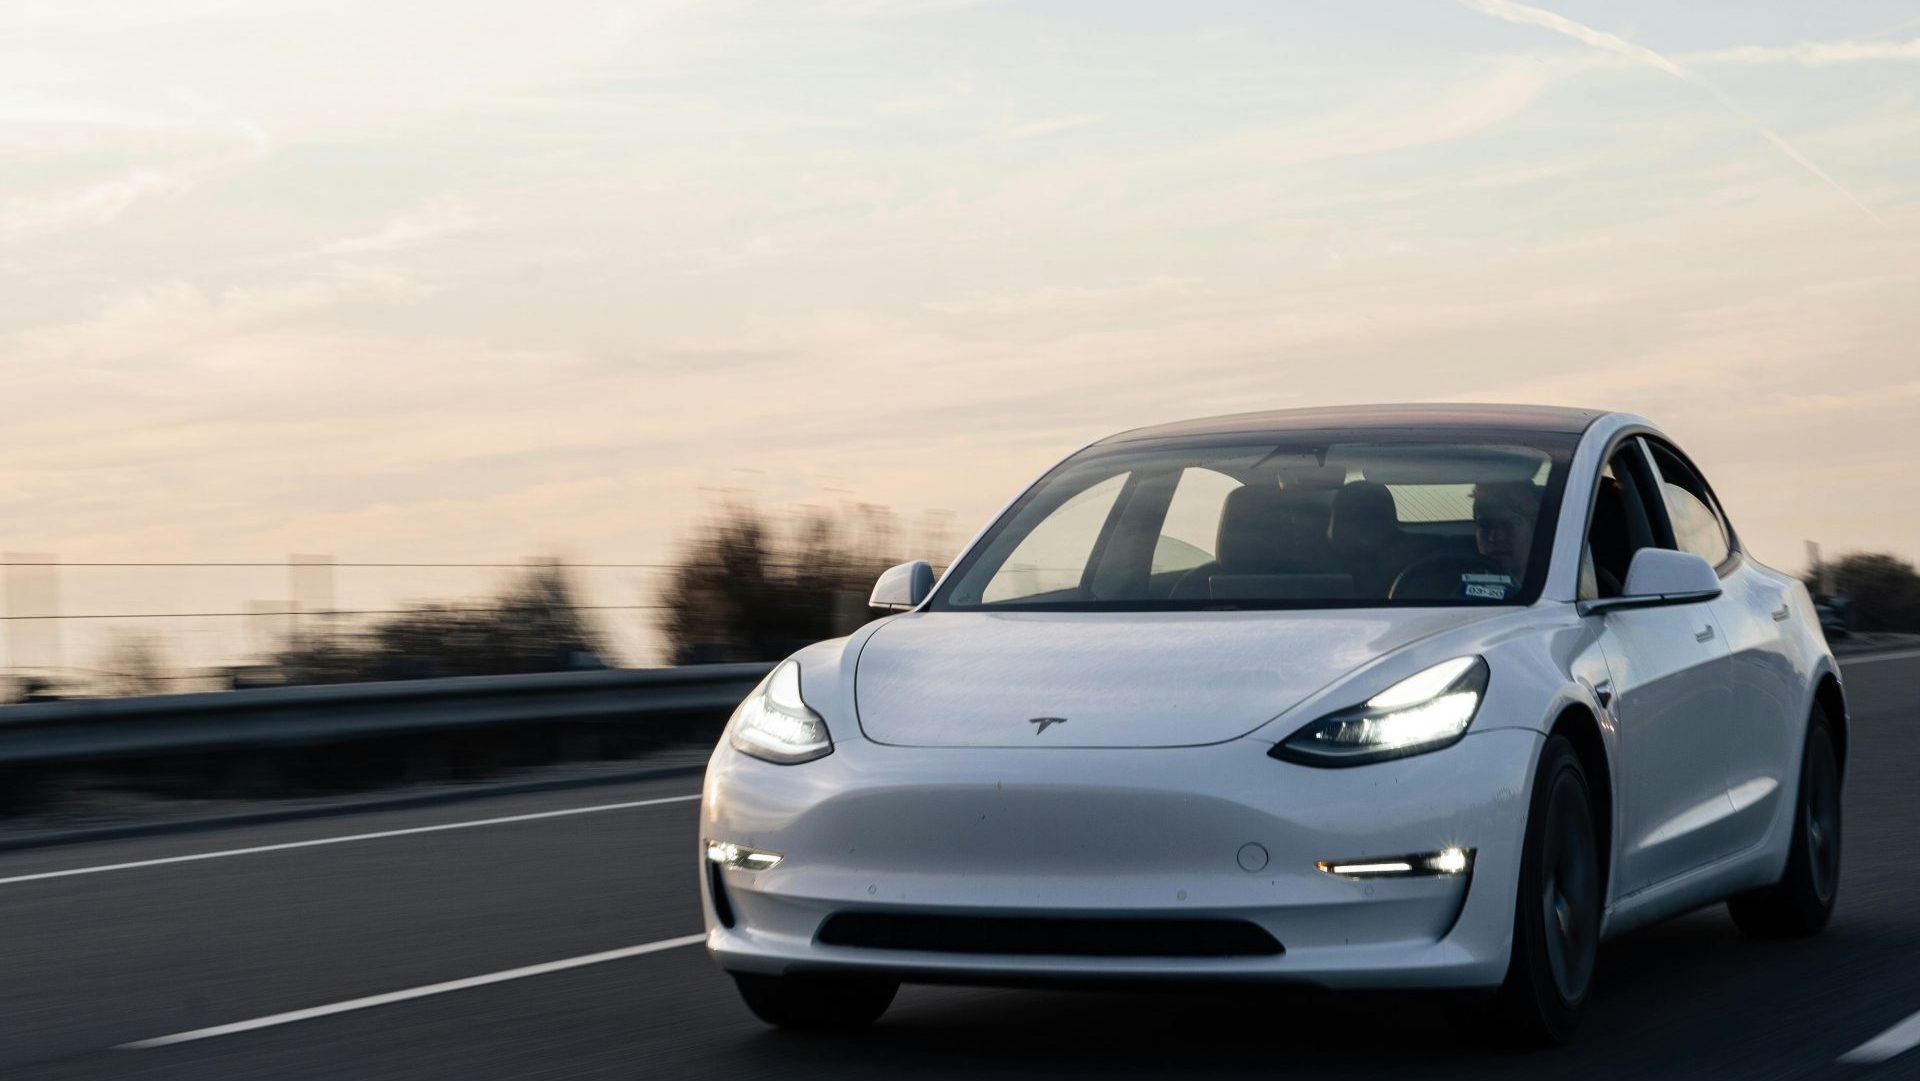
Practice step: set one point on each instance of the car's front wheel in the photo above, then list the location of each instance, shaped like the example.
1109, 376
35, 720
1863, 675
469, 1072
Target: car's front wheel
1802, 901
816, 1002
1556, 926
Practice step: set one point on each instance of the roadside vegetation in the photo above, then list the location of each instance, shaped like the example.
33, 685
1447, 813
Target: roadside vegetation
748, 584
533, 624
750, 587
1882, 592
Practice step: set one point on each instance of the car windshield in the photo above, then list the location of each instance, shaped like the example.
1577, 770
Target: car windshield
1300, 523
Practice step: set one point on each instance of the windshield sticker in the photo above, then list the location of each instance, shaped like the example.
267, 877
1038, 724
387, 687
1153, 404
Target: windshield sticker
1483, 590
1488, 579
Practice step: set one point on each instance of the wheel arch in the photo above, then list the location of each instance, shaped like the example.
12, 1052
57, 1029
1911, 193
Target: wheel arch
1581, 727
1832, 699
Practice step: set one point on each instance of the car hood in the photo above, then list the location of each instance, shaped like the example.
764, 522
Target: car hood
968, 679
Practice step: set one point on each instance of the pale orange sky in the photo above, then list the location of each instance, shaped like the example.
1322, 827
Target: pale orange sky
465, 282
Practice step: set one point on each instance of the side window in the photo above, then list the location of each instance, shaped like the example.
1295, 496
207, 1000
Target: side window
1697, 527
1620, 526
1053, 557
1192, 527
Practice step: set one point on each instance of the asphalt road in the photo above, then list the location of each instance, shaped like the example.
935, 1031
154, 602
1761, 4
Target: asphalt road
114, 954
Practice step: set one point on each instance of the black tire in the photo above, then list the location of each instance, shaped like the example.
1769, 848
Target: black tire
820, 1003
1802, 901
1556, 922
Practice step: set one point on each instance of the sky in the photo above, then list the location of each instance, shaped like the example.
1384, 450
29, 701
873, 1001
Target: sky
438, 281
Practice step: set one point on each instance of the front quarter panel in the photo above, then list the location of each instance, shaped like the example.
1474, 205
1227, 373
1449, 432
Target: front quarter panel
1543, 663
1540, 660
826, 684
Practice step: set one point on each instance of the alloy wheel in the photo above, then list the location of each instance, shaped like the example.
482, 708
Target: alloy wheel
1822, 810
1570, 894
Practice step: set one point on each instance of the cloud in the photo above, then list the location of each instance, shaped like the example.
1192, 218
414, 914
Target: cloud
167, 319
1525, 15
96, 16
1056, 299
1408, 116
1532, 174
887, 9
1036, 128
921, 104
440, 218
727, 258
89, 206
1810, 53
92, 204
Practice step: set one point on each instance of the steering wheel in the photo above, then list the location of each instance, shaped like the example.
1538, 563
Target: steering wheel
1437, 577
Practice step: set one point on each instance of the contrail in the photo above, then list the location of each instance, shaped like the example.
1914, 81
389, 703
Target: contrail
1527, 15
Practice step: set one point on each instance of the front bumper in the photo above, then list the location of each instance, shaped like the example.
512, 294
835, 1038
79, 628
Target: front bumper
1127, 833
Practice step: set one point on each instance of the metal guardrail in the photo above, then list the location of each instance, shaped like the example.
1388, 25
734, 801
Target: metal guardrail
337, 713
283, 716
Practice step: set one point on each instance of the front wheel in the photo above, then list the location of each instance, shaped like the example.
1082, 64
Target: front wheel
1802, 901
1556, 924
841, 1003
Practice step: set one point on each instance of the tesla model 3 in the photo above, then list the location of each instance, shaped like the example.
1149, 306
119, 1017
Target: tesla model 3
1388, 697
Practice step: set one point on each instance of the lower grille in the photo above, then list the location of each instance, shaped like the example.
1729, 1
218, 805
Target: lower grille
1059, 936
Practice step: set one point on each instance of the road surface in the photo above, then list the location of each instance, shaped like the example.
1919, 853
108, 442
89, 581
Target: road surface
548, 936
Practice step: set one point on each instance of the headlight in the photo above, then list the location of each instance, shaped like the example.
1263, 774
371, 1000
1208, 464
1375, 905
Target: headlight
1423, 712
775, 724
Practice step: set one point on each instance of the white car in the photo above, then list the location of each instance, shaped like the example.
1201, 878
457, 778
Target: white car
1391, 697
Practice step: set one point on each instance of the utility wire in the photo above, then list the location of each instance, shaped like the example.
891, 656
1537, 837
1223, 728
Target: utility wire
335, 612
375, 565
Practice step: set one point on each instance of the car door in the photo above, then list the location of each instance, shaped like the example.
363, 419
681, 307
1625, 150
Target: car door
1753, 611
1670, 693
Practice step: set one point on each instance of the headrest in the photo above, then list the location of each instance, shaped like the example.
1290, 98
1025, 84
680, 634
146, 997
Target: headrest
1264, 529
1363, 514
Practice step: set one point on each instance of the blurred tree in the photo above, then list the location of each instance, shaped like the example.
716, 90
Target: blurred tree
745, 589
1884, 591
533, 625
133, 664
28, 689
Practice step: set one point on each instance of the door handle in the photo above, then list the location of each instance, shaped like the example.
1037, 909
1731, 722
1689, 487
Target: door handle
1704, 634
1780, 614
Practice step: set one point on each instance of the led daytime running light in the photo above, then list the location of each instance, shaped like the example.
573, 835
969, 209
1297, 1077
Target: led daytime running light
729, 854
1444, 863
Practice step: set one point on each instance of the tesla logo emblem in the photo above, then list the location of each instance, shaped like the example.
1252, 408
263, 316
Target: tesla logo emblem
1043, 723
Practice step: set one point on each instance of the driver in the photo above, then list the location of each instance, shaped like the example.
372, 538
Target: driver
1503, 520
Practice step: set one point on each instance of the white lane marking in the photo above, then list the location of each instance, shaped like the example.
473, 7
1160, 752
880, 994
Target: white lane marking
1900, 1037
1905, 655
282, 847
412, 992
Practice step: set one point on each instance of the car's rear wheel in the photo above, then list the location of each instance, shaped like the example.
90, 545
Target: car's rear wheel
1556, 925
1802, 901
816, 1002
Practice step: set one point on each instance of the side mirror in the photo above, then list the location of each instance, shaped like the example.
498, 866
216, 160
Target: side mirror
903, 587
1659, 577
1660, 572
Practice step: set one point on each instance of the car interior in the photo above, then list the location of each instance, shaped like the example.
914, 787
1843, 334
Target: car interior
1620, 526
1356, 522
1312, 544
